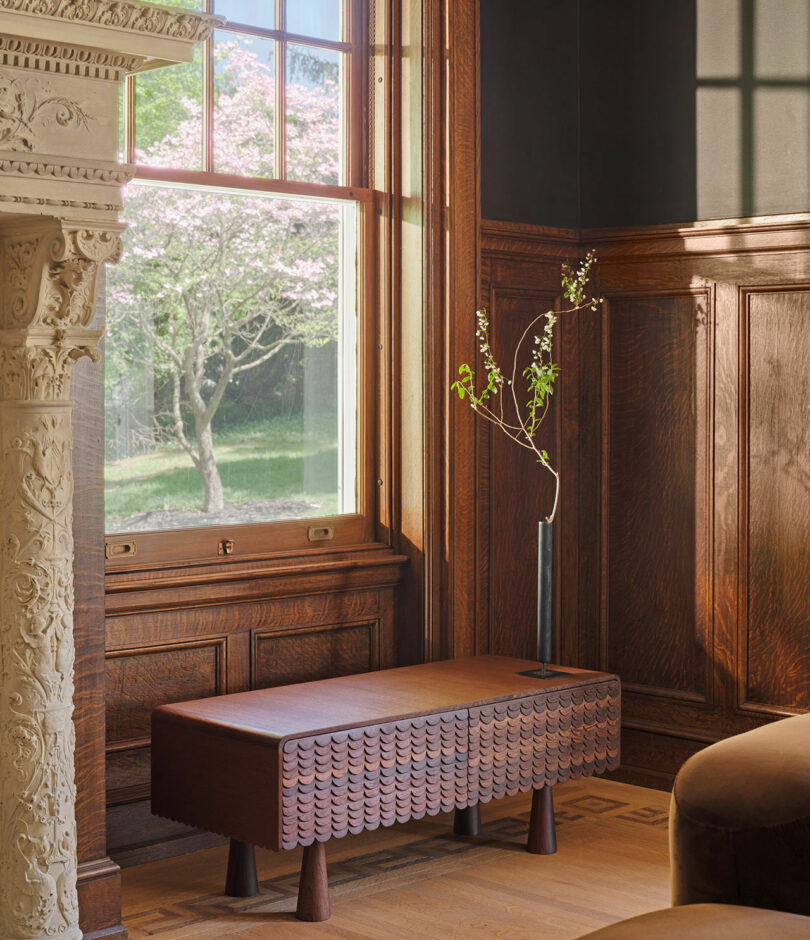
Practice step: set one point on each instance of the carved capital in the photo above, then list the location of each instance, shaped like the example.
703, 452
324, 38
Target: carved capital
42, 373
50, 273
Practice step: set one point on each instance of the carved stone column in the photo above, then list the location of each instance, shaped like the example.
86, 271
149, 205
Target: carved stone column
61, 65
50, 273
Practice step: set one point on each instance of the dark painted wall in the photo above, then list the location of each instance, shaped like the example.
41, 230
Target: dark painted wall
529, 111
636, 112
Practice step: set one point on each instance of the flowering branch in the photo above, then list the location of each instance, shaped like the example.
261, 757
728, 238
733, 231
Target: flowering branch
539, 375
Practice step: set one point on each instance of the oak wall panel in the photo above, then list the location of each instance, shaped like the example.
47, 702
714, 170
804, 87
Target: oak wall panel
776, 495
139, 680
655, 621
515, 508
284, 656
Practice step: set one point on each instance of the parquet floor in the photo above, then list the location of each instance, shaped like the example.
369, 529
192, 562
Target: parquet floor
419, 881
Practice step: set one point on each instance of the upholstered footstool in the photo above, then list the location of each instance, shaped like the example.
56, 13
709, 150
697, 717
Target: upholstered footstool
740, 821
708, 922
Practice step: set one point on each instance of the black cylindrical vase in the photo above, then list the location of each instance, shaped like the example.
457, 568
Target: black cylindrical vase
544, 581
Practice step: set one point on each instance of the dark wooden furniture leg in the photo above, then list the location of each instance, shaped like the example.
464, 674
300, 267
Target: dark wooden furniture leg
467, 821
542, 833
241, 881
313, 887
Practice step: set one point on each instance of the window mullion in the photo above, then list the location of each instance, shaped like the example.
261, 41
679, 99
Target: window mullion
281, 110
208, 105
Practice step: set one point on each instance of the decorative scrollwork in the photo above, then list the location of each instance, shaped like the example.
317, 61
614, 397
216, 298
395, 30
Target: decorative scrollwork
123, 14
37, 869
50, 276
21, 166
20, 107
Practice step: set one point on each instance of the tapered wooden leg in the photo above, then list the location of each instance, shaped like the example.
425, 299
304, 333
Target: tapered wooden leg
467, 821
313, 886
241, 881
542, 832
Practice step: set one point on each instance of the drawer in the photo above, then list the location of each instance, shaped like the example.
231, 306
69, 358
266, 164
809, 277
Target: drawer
543, 739
347, 781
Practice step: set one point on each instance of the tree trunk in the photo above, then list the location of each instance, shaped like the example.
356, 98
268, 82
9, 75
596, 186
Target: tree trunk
214, 497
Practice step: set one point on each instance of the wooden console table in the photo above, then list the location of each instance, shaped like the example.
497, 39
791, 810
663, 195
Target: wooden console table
301, 764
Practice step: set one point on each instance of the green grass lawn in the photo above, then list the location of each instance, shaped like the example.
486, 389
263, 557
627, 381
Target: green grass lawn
273, 459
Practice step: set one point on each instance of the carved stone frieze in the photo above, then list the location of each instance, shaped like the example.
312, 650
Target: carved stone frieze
19, 52
121, 14
42, 202
42, 168
21, 106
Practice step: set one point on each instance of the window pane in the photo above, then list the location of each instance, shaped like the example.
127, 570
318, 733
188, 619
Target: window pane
230, 375
314, 115
318, 18
244, 105
250, 12
168, 116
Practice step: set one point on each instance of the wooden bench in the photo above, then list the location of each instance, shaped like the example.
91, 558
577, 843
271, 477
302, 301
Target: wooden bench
301, 764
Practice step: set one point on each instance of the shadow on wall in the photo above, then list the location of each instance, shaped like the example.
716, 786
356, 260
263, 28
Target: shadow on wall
639, 112
694, 109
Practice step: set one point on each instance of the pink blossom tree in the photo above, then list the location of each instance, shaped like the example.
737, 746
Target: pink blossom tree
212, 283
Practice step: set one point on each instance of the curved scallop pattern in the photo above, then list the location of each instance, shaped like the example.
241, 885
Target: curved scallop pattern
359, 779
362, 778
534, 742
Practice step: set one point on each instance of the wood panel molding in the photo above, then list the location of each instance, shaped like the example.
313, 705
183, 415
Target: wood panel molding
657, 398
506, 611
285, 577
774, 486
279, 657
510, 240
723, 237
139, 679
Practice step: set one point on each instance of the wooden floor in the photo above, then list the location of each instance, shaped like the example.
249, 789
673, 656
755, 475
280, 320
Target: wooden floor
419, 881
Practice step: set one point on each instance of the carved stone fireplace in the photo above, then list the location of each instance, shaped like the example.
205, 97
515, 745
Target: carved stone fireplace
61, 65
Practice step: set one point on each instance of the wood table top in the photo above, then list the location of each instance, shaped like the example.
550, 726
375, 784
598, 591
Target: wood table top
372, 698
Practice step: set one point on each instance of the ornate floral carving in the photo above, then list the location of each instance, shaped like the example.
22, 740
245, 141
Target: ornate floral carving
122, 14
20, 107
38, 858
50, 276
39, 373
49, 272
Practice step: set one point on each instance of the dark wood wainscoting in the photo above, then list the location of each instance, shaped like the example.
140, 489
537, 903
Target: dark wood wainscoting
184, 635
683, 546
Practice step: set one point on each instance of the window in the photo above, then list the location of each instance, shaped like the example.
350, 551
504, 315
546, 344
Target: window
237, 328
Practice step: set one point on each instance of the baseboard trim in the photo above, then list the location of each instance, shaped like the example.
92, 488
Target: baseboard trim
99, 888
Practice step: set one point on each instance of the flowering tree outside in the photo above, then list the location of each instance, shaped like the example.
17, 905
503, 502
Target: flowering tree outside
214, 284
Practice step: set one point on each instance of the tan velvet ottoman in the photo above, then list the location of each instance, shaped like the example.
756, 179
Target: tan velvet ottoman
708, 922
740, 821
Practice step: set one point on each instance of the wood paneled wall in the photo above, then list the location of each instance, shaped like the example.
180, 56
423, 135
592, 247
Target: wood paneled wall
683, 544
